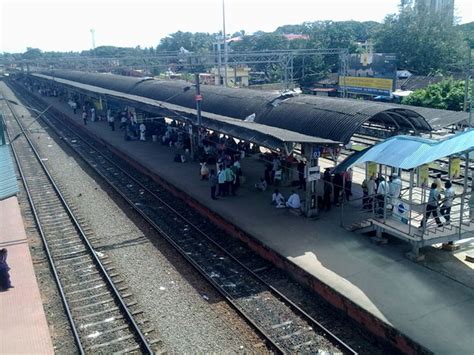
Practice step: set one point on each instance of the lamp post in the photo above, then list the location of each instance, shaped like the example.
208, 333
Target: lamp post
198, 107
93, 40
225, 43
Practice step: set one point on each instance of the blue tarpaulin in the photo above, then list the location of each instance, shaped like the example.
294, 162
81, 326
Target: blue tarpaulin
8, 183
408, 152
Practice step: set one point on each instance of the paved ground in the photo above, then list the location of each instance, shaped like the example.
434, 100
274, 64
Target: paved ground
23, 326
431, 308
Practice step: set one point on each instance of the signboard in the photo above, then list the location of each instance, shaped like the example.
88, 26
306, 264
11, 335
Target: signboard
455, 168
423, 175
316, 153
367, 86
314, 173
370, 73
401, 210
371, 169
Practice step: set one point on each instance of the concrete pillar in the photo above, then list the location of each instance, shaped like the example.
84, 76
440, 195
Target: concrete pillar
311, 154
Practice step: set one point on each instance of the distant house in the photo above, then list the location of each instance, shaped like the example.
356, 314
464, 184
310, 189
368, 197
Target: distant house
325, 87
416, 82
236, 76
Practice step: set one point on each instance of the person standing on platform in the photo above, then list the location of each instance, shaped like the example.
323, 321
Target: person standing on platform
142, 131
365, 194
382, 191
432, 206
348, 183
221, 180
445, 209
84, 117
327, 189
123, 121
5, 283
371, 185
394, 188
471, 205
276, 164
301, 180
337, 183
229, 181
111, 120
92, 114
213, 182
294, 200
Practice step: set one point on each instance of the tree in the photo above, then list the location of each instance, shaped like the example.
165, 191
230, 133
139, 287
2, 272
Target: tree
32, 53
424, 42
194, 42
467, 30
447, 94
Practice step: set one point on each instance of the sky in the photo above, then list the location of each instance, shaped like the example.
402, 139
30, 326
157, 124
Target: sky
66, 25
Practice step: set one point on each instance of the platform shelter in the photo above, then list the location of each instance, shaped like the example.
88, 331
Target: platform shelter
414, 160
301, 126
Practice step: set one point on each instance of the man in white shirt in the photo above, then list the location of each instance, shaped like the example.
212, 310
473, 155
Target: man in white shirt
294, 200
382, 191
445, 209
395, 186
277, 199
142, 131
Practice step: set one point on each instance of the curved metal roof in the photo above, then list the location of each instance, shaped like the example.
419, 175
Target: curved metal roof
330, 118
408, 152
273, 138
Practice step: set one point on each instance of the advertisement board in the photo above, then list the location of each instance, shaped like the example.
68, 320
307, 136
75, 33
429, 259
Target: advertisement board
401, 210
423, 175
455, 168
371, 169
314, 173
370, 74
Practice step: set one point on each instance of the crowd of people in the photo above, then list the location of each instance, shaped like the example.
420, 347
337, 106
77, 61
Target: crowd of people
220, 164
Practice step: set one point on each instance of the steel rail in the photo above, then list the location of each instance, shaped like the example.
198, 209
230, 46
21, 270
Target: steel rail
144, 343
276, 292
67, 308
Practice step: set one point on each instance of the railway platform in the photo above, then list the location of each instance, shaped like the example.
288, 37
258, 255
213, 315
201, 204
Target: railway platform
23, 325
376, 285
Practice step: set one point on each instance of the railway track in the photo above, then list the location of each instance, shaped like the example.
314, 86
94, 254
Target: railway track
101, 319
285, 326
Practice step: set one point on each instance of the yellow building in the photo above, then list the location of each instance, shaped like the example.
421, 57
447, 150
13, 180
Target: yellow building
236, 76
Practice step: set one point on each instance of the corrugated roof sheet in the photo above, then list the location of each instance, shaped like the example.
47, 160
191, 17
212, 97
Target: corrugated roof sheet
270, 137
330, 118
408, 152
8, 183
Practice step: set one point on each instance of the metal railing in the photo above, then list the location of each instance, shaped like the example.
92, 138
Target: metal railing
381, 208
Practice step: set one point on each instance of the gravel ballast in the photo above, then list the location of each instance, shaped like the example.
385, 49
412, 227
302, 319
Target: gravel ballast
188, 315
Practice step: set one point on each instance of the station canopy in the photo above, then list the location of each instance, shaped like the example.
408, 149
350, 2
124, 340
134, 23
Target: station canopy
328, 118
408, 152
271, 137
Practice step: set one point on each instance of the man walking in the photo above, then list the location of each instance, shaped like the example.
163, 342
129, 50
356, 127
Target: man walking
432, 206
445, 209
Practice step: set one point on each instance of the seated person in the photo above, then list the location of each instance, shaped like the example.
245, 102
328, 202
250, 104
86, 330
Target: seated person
262, 185
277, 199
294, 200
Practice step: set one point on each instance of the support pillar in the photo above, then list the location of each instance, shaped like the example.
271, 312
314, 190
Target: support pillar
311, 154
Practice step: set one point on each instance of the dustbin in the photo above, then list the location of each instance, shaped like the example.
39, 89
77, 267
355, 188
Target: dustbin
154, 138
